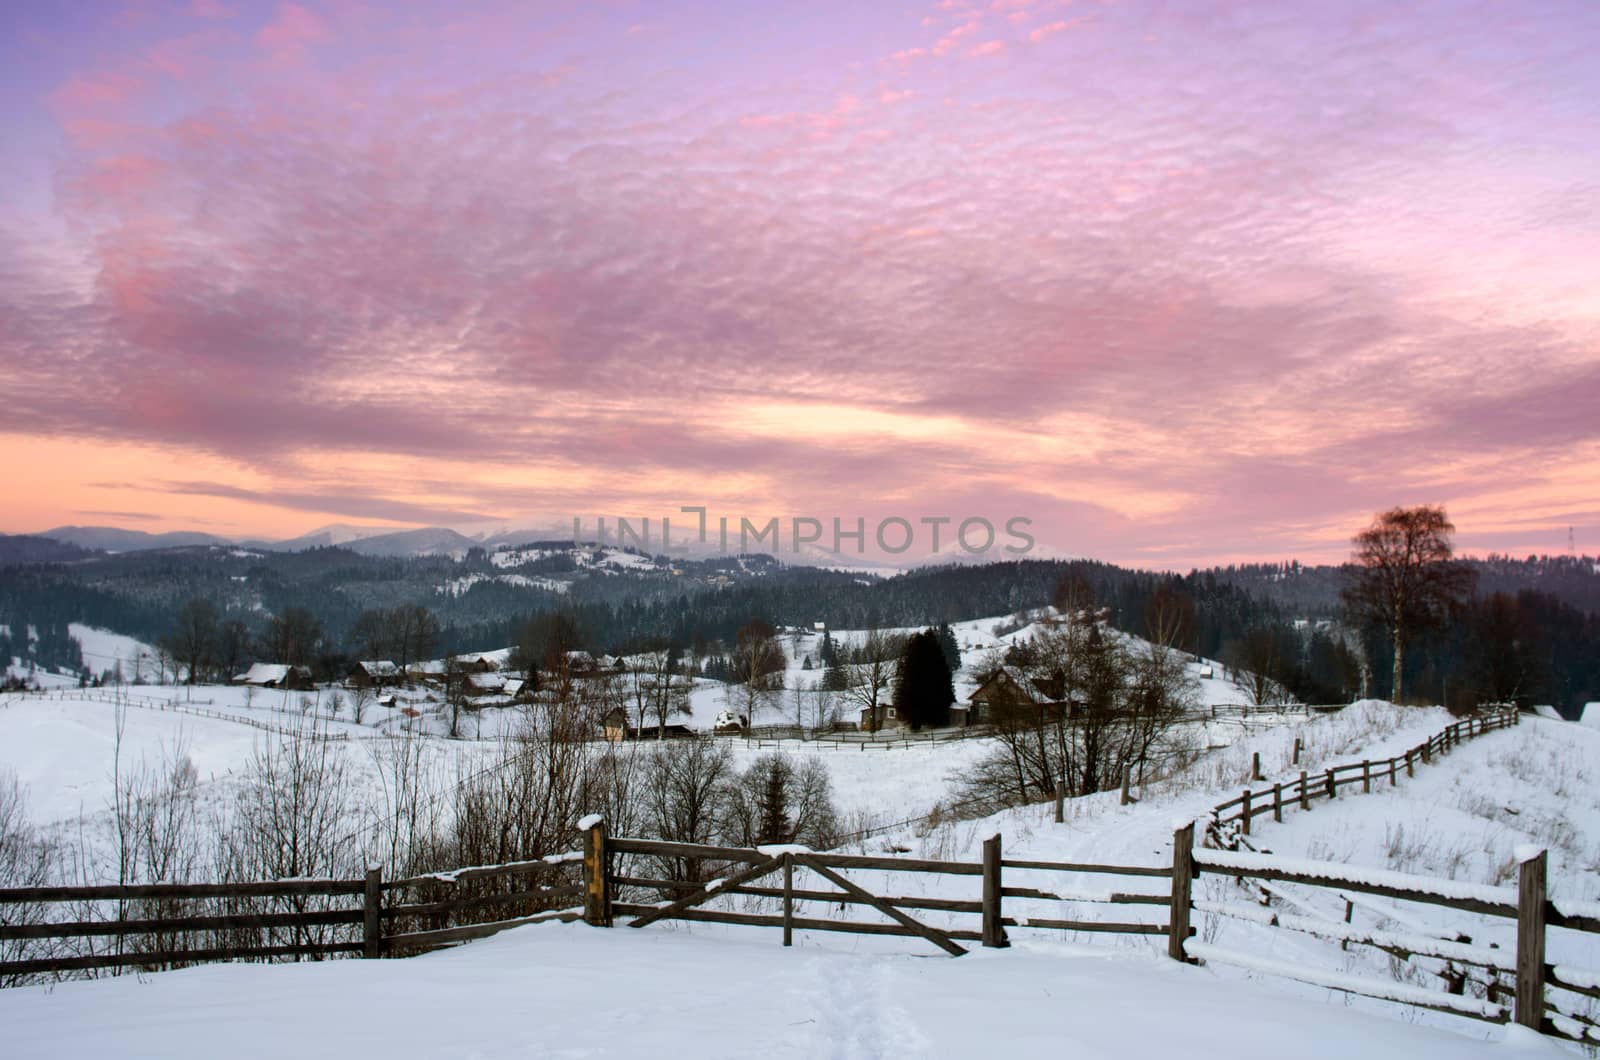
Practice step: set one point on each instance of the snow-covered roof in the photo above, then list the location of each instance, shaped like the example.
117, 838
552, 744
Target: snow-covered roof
379, 668
269, 673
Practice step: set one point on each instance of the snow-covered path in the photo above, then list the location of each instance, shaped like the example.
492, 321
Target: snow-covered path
575, 991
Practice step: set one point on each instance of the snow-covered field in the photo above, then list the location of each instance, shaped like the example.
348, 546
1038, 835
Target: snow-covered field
552, 991
555, 991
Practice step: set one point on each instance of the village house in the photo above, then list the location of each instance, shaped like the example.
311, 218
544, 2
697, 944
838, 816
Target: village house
276, 675
618, 725
374, 673
1006, 687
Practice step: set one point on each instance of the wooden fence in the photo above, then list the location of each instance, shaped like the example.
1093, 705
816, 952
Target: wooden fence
1521, 975
1232, 818
681, 870
159, 926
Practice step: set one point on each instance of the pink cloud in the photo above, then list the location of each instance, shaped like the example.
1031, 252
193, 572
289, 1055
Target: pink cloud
1047, 31
1149, 331
949, 41
991, 47
209, 9
292, 30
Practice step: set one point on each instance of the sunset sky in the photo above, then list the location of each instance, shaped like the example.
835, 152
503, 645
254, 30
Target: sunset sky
1181, 282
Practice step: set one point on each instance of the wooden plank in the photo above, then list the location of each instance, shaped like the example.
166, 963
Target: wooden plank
1554, 917
597, 890
1383, 990
933, 935
1469, 905
116, 928
469, 932
372, 906
946, 905
1103, 926
1530, 940
706, 892
129, 892
849, 927
1072, 866
511, 868
455, 905
788, 900
700, 851
1182, 881
862, 861
994, 934
1551, 978
47, 966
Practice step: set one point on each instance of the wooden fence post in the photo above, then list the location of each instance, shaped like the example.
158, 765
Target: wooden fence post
1530, 940
1277, 802
1366, 776
1182, 881
1411, 763
596, 878
788, 899
1333, 790
1305, 792
372, 904
1255, 766
1127, 779
1393, 778
1296, 760
1245, 811
994, 932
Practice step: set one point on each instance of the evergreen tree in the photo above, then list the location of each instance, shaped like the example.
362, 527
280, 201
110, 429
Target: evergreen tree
948, 645
923, 689
774, 803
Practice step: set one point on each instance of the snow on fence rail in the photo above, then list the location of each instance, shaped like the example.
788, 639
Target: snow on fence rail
1528, 904
1240, 811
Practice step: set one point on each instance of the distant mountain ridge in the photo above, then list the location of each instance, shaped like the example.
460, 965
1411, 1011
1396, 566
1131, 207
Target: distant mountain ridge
116, 539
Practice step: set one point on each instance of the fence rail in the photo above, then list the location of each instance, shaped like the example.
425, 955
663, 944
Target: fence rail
684, 899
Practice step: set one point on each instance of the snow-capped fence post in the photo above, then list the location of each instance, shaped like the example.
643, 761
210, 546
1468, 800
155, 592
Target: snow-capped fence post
596, 880
1411, 763
1530, 936
371, 907
1305, 792
994, 931
1182, 881
1245, 811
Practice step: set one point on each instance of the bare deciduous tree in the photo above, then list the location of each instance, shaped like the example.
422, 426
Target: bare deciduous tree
1403, 576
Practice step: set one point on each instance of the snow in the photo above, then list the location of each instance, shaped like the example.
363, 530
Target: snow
588, 821
1591, 715
554, 990
103, 650
1388, 991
